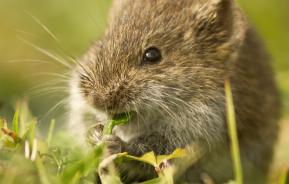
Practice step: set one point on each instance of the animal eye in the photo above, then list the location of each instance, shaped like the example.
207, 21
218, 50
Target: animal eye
152, 55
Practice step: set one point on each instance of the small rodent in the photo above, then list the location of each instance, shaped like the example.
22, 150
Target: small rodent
167, 61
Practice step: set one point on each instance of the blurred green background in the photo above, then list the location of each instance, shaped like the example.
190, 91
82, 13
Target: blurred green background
76, 23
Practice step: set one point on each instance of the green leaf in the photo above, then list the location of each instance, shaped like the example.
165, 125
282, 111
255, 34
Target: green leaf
42, 172
25, 117
15, 122
83, 167
155, 161
107, 172
167, 175
178, 153
149, 158
119, 119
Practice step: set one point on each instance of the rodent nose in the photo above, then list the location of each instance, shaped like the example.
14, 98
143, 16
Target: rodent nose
106, 105
113, 100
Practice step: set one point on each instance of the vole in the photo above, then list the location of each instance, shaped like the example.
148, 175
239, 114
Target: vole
167, 61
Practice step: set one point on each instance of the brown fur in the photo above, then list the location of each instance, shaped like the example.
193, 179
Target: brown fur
181, 100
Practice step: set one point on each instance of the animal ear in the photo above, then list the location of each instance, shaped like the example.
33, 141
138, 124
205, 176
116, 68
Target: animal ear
222, 11
220, 22
214, 14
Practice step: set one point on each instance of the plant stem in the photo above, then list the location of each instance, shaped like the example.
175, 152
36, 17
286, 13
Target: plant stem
231, 122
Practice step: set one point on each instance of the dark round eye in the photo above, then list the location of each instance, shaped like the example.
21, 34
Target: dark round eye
152, 55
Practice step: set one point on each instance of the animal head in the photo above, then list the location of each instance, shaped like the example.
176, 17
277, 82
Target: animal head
163, 56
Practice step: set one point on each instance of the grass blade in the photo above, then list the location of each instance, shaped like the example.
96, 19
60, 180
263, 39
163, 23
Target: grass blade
15, 121
42, 172
32, 131
50, 131
231, 121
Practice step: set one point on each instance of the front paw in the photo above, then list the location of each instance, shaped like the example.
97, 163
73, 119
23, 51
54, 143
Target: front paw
113, 143
94, 134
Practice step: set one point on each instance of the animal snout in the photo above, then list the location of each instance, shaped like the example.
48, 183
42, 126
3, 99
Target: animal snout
114, 99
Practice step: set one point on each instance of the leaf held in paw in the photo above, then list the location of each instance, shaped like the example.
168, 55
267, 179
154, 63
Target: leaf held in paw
118, 119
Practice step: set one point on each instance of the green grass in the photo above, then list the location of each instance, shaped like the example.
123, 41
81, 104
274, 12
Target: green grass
232, 130
28, 157
32, 158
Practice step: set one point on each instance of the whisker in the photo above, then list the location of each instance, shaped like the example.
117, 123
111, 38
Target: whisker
65, 78
50, 33
38, 61
47, 53
43, 26
58, 86
55, 107
38, 93
25, 32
